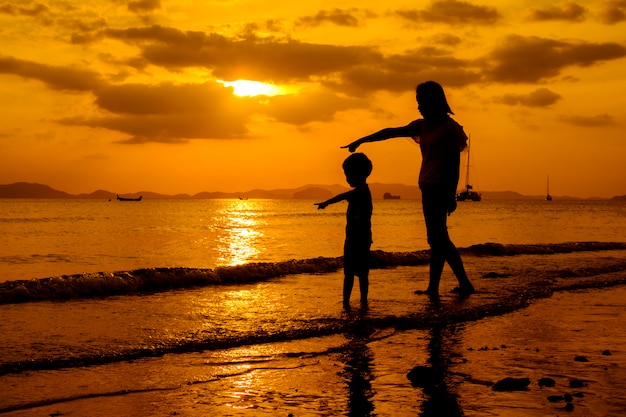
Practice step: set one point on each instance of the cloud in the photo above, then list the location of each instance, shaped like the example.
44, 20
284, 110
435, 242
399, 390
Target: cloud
163, 99
337, 17
141, 6
588, 121
613, 12
360, 70
319, 105
447, 39
55, 77
353, 70
452, 12
36, 9
399, 72
572, 12
170, 113
265, 59
541, 97
84, 31
177, 113
532, 59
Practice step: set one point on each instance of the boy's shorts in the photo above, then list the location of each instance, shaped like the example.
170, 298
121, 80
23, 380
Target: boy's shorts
356, 258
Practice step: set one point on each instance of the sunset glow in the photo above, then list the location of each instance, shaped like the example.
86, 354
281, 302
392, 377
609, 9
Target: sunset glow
247, 88
186, 96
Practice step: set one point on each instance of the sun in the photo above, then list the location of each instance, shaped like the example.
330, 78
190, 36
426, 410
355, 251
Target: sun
247, 88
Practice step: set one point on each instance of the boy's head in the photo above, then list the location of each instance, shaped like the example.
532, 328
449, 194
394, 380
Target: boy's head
357, 168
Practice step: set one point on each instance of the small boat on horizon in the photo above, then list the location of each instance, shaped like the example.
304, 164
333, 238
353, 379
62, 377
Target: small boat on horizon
127, 199
389, 196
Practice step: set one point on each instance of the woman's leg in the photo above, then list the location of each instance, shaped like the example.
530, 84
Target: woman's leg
456, 264
364, 287
442, 249
436, 233
348, 283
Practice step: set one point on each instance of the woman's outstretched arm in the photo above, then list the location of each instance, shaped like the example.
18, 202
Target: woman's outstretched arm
409, 130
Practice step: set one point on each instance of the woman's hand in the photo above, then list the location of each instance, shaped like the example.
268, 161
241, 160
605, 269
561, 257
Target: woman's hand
351, 147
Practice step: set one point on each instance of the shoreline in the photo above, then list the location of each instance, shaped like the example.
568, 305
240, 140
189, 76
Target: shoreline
154, 355
368, 370
500, 290
150, 280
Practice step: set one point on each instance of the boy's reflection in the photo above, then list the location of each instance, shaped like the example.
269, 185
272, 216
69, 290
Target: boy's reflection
357, 371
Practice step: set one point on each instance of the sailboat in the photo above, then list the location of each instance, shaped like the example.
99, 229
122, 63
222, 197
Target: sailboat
548, 196
468, 193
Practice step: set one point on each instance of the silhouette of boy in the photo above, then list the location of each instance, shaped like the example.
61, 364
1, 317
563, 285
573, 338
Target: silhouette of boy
356, 250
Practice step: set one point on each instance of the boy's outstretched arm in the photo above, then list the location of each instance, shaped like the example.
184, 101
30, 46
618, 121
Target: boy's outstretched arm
384, 134
333, 200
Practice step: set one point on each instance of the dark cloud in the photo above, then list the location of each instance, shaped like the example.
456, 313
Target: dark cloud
613, 11
337, 17
401, 72
170, 113
84, 31
278, 60
319, 105
360, 70
354, 70
572, 12
447, 39
36, 9
453, 12
541, 97
532, 59
163, 99
588, 121
142, 6
55, 77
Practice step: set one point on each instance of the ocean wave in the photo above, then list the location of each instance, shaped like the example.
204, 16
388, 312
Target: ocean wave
149, 280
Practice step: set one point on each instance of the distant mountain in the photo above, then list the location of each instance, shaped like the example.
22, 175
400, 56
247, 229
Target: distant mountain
313, 193
28, 190
98, 194
307, 192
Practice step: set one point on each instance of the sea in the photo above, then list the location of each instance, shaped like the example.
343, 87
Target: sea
232, 307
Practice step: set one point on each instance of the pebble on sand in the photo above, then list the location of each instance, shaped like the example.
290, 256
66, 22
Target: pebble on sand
547, 382
512, 384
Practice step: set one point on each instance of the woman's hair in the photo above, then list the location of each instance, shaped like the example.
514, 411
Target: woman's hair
432, 92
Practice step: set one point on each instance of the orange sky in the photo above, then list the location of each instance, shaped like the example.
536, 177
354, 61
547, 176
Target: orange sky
130, 95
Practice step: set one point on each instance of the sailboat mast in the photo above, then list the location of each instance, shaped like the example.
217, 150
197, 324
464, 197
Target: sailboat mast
468, 163
548, 196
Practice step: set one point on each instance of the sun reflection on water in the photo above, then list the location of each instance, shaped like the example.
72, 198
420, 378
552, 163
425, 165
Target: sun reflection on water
238, 240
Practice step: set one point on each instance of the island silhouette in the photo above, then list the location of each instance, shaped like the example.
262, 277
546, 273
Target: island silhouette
305, 192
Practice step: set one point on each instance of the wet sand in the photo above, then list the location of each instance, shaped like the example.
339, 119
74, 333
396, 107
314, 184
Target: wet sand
558, 317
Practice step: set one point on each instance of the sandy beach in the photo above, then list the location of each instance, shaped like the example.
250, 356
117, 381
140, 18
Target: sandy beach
556, 319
